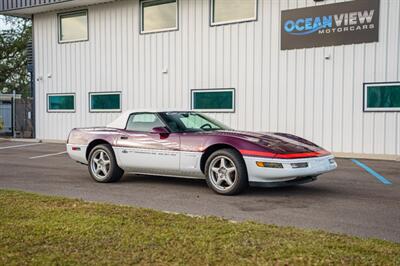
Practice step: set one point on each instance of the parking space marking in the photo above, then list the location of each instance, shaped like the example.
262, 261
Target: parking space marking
18, 146
372, 172
47, 155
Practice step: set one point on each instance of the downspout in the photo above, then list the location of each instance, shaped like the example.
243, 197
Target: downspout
33, 78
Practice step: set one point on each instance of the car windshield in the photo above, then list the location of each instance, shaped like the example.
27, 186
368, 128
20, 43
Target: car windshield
191, 122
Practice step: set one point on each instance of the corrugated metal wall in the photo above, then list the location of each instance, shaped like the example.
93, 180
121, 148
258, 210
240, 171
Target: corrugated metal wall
16, 4
297, 91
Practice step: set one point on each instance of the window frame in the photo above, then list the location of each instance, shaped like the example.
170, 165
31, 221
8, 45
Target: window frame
48, 95
141, 19
214, 24
143, 113
232, 110
105, 110
366, 85
59, 16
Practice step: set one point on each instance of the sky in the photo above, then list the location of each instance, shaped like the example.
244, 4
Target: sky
2, 25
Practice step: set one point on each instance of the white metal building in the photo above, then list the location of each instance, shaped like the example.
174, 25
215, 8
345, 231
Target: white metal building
155, 53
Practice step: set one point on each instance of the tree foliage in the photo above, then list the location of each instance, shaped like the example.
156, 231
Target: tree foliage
14, 39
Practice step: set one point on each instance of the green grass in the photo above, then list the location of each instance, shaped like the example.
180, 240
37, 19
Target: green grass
46, 230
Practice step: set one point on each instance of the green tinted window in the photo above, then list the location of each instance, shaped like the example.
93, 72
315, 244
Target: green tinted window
382, 97
61, 102
105, 102
217, 100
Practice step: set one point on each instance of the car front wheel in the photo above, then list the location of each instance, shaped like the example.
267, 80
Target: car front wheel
103, 166
226, 172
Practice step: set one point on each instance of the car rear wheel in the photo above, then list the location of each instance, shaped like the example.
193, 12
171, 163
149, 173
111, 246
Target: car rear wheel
103, 166
226, 172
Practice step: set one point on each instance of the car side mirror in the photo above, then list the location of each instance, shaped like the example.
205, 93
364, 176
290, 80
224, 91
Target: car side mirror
160, 130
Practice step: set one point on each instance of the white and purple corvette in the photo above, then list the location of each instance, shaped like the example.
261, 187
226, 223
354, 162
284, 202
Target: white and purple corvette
191, 145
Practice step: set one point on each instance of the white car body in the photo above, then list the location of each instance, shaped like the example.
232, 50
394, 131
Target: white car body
170, 156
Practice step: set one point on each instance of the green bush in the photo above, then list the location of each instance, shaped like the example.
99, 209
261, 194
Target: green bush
1, 123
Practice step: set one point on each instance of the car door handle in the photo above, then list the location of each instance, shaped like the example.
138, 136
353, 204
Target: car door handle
124, 137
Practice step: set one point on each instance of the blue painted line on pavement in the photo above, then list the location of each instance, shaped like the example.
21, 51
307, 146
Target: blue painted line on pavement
372, 172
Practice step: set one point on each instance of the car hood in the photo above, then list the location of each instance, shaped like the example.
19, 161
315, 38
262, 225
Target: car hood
280, 143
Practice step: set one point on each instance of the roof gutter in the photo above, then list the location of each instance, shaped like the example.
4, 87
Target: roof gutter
27, 11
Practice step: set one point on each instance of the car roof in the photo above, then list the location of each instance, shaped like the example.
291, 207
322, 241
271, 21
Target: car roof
121, 121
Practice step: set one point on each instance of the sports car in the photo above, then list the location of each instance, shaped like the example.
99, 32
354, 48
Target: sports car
189, 144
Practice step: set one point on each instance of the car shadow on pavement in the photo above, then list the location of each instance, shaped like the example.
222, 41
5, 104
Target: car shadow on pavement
310, 190
164, 180
294, 190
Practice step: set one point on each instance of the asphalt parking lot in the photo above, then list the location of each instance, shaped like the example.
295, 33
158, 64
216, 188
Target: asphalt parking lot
352, 200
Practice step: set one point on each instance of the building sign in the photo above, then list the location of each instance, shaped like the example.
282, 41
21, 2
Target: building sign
351, 22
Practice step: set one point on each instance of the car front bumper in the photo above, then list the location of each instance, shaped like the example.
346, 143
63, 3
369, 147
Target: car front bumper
315, 166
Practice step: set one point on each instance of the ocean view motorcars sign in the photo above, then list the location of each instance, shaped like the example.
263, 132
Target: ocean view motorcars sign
333, 24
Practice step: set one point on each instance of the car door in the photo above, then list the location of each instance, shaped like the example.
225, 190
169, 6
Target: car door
141, 150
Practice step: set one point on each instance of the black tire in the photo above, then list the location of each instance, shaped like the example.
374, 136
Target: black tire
114, 173
240, 182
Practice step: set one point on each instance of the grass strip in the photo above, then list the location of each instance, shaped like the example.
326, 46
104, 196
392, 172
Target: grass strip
43, 230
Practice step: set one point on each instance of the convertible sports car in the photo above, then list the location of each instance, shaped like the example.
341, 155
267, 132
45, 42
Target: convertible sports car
191, 145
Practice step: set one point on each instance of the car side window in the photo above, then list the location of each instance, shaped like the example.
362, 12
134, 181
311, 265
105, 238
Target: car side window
143, 122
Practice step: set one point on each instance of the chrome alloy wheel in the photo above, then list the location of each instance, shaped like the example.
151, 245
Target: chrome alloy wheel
222, 172
100, 164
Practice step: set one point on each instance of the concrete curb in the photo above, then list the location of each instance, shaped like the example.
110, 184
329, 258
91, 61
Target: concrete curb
55, 141
23, 140
367, 156
50, 141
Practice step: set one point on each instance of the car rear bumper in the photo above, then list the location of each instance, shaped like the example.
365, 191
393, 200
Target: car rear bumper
77, 152
315, 166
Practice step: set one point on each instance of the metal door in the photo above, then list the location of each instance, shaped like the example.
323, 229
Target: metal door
5, 118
